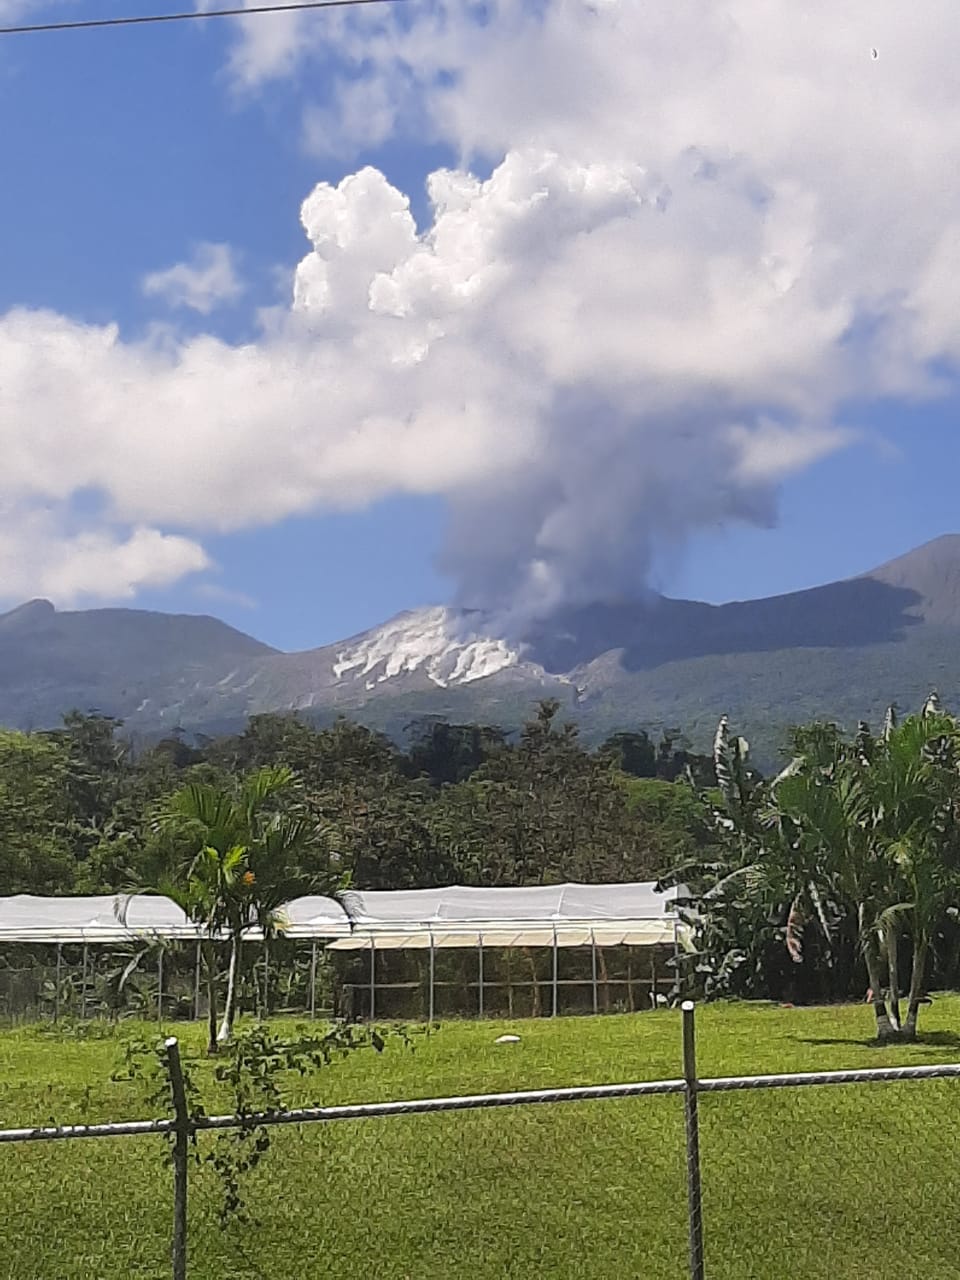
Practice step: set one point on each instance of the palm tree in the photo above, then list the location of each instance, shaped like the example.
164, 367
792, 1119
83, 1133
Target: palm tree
200, 894
916, 794
822, 804
273, 876
241, 867
200, 889
861, 836
879, 825
744, 887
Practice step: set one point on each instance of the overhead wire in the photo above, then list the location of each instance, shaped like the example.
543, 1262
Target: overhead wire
132, 20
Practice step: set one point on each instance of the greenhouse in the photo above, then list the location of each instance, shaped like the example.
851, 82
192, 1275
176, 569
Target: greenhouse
459, 951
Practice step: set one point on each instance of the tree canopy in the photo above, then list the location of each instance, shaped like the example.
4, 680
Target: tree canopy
79, 809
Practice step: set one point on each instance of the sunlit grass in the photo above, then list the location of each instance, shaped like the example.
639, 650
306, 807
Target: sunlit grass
805, 1184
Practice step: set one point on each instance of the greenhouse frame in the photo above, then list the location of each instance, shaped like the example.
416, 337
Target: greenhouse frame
554, 917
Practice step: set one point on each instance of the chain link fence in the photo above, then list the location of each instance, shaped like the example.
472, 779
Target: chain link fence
730, 1178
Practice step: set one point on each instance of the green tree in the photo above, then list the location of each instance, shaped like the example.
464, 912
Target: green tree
669, 821
541, 811
239, 856
631, 753
449, 753
740, 896
35, 815
915, 794
858, 838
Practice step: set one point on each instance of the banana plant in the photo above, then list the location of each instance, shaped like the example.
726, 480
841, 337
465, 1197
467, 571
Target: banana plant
735, 913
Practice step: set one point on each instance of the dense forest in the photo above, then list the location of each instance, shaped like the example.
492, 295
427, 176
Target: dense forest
462, 804
835, 876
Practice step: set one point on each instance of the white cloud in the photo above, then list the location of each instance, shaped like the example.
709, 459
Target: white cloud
39, 558
364, 115
266, 48
769, 451
708, 226
206, 282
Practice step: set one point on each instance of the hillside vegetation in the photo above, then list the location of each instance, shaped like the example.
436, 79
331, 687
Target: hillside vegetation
837, 652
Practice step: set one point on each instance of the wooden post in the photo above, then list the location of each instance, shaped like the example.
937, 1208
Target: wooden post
182, 1139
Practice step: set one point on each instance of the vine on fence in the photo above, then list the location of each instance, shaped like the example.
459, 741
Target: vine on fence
255, 1069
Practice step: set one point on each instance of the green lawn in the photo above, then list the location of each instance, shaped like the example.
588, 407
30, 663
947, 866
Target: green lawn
850, 1182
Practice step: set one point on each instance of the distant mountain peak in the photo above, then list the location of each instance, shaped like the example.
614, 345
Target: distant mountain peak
932, 572
839, 650
937, 551
27, 615
444, 644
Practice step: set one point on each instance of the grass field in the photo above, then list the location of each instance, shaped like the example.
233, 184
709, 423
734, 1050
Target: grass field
849, 1183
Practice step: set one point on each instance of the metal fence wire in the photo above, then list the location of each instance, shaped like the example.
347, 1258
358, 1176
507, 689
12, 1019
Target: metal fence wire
690, 1087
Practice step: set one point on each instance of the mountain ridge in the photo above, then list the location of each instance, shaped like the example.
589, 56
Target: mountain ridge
654, 661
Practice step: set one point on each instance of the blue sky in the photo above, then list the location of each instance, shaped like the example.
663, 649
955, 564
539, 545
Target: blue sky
129, 149
133, 147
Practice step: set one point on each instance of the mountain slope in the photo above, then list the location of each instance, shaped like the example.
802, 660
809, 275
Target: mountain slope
118, 660
841, 650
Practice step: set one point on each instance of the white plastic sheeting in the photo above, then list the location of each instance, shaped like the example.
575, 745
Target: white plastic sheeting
569, 915
314, 917
566, 915
106, 918
128, 917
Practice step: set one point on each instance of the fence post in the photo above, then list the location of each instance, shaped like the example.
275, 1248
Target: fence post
182, 1120
694, 1194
